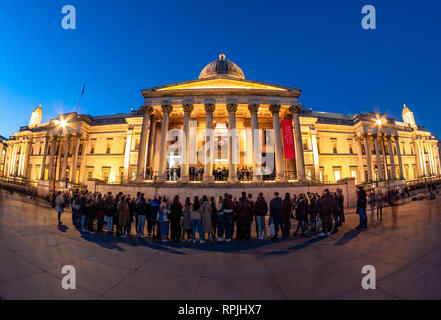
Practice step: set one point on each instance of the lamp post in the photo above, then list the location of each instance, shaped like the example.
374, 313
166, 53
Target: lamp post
62, 124
386, 172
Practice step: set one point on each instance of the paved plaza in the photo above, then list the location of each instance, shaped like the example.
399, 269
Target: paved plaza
405, 250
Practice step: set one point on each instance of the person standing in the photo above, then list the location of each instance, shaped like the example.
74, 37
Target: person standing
163, 219
91, 214
379, 203
276, 214
195, 215
141, 214
152, 218
243, 217
108, 212
123, 216
341, 206
287, 212
260, 211
214, 222
300, 214
372, 203
220, 219
76, 205
99, 203
228, 216
207, 224
186, 220
175, 219
326, 205
60, 204
250, 218
361, 208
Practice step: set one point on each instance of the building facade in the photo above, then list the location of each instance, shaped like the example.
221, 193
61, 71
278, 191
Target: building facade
240, 120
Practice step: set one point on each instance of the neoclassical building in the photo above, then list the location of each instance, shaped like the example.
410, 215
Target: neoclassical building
138, 146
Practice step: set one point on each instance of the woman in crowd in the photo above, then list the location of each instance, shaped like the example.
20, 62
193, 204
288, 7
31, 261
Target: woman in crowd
207, 224
186, 220
90, 214
60, 205
220, 219
163, 219
196, 225
213, 218
300, 214
260, 211
123, 216
100, 212
175, 219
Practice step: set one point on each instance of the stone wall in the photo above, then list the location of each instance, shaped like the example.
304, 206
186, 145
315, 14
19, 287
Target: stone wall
215, 190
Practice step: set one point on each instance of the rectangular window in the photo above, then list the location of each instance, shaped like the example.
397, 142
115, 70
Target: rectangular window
337, 174
89, 173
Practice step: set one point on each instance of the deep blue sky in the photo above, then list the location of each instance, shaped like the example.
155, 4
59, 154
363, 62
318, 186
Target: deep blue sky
121, 47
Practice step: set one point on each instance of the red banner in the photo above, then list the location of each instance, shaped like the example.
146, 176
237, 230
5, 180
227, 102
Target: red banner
288, 139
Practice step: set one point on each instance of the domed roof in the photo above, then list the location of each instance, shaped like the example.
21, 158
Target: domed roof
222, 68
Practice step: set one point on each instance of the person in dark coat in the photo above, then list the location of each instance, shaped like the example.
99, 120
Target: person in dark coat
341, 206
260, 211
214, 221
361, 208
244, 212
300, 214
326, 210
287, 211
250, 218
175, 219
336, 214
276, 214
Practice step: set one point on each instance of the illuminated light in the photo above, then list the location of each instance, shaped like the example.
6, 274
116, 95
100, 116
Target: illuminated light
379, 122
222, 84
63, 123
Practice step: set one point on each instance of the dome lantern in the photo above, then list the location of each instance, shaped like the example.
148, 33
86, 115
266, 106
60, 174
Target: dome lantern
222, 68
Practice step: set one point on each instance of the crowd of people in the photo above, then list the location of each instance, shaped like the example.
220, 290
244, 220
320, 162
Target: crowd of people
202, 219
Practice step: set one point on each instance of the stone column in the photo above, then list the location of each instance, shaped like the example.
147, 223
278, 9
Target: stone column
43, 162
166, 110
140, 169
73, 171
82, 177
150, 144
28, 148
127, 151
315, 154
58, 160
232, 142
209, 136
52, 156
368, 157
66, 154
280, 174
392, 158
298, 143
188, 109
432, 166
255, 142
360, 160
400, 160
378, 156
418, 156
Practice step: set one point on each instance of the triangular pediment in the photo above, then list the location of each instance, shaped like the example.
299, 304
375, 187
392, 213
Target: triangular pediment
220, 84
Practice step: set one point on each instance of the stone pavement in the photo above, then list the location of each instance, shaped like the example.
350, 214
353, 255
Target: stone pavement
405, 250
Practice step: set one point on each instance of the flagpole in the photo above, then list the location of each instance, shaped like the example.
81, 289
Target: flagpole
82, 93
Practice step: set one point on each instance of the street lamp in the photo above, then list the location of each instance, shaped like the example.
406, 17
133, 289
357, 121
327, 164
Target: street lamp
61, 124
386, 169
